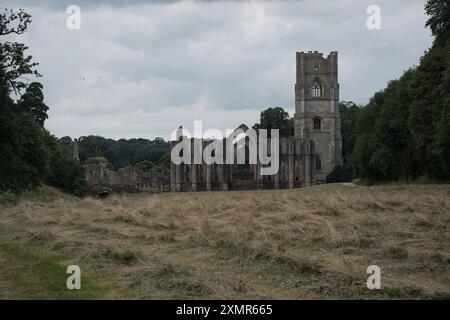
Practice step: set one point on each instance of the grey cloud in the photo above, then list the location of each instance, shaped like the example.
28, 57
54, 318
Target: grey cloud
142, 69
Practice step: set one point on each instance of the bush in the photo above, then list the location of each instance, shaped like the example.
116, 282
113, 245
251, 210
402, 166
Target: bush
340, 174
145, 165
97, 160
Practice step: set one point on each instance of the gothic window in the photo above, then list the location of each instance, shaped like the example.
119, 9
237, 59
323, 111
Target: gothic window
318, 164
316, 89
316, 124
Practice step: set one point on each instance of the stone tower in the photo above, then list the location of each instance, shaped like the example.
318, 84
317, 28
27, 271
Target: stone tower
317, 109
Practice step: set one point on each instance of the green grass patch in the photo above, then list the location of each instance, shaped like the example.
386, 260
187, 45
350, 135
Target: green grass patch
29, 273
42, 193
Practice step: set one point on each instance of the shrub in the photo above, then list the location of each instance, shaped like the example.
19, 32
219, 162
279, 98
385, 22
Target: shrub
340, 174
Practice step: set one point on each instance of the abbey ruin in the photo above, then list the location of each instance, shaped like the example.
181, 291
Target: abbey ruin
99, 176
304, 159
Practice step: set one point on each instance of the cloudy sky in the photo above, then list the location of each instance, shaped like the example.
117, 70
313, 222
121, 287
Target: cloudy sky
142, 68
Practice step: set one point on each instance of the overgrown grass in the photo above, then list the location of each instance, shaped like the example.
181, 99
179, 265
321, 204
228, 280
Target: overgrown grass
43, 193
304, 243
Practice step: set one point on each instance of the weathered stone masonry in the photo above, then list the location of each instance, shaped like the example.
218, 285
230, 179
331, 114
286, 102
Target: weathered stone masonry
317, 109
296, 170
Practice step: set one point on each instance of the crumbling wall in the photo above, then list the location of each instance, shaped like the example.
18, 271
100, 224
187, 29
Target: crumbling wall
128, 178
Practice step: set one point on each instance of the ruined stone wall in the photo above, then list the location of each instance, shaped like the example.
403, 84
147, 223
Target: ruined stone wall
155, 180
296, 169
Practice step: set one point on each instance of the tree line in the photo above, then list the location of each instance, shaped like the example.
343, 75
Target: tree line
404, 131
143, 154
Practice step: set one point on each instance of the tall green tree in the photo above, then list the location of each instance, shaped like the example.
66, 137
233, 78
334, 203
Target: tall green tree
276, 118
23, 155
348, 111
403, 132
17, 65
29, 154
439, 19
32, 102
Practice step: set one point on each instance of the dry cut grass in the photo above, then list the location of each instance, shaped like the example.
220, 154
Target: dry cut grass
285, 244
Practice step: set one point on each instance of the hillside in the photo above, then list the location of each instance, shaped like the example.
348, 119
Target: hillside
305, 243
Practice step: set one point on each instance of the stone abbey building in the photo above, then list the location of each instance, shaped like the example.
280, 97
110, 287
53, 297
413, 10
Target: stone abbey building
304, 159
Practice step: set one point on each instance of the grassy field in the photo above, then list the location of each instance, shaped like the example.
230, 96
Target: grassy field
285, 244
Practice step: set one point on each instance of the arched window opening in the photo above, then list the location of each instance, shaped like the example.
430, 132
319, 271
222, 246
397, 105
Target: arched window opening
316, 89
318, 164
317, 124
316, 67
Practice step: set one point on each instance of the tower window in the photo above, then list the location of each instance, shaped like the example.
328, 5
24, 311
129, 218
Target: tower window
316, 89
318, 164
316, 67
316, 124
